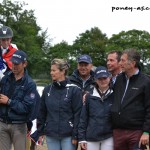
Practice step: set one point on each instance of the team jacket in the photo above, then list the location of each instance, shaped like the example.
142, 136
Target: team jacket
76, 79
95, 120
60, 108
23, 95
134, 111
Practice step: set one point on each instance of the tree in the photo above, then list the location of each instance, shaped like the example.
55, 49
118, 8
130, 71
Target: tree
137, 39
91, 42
28, 36
64, 51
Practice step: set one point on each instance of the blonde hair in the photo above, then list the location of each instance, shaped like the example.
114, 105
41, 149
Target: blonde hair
62, 64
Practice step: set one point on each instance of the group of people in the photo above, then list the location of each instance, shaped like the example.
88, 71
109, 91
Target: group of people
106, 108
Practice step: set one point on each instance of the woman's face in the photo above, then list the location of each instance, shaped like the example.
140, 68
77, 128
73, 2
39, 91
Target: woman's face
56, 74
103, 83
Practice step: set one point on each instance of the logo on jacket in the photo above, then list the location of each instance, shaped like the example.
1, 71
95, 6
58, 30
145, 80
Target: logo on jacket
32, 95
134, 88
71, 124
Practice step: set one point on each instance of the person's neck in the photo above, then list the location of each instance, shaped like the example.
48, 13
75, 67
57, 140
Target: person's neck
61, 79
131, 72
18, 76
116, 72
85, 77
2, 47
104, 89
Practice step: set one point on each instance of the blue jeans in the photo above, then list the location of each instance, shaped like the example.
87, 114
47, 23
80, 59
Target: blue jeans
63, 143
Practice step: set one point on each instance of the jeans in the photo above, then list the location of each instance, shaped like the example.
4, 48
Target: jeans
63, 143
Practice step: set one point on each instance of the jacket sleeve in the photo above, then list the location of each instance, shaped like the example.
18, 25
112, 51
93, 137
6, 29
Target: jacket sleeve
76, 107
83, 121
146, 126
41, 119
35, 110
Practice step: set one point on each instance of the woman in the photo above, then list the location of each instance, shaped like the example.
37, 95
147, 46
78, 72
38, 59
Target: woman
60, 108
95, 129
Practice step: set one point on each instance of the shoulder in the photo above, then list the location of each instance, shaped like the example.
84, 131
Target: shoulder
11, 50
144, 78
74, 76
6, 76
29, 80
71, 84
47, 88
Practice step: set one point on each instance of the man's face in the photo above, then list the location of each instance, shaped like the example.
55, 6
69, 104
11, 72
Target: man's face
84, 69
18, 69
5, 42
126, 65
112, 62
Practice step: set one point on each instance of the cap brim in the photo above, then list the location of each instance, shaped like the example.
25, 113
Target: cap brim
101, 76
15, 60
84, 61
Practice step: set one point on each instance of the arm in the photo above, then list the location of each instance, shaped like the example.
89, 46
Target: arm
24, 103
42, 115
76, 107
144, 140
83, 123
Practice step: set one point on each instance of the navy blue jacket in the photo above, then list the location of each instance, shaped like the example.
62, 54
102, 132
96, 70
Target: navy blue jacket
95, 120
23, 95
76, 79
134, 111
60, 108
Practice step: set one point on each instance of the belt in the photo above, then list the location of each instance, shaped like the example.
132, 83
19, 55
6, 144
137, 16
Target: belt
11, 122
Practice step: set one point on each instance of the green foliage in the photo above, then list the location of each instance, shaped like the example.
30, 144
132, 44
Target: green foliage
137, 39
64, 51
29, 37
91, 42
27, 34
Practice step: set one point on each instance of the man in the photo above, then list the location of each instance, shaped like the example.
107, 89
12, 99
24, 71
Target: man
131, 107
6, 49
113, 59
83, 76
17, 100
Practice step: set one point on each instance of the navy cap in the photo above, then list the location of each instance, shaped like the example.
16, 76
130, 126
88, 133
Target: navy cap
101, 72
18, 57
84, 58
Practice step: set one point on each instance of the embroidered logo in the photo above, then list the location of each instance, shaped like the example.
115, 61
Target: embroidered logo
32, 95
134, 88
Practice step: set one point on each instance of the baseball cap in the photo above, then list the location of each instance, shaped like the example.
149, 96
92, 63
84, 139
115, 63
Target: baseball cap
84, 58
18, 57
101, 72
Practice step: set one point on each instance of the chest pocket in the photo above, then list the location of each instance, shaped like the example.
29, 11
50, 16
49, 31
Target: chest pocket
21, 92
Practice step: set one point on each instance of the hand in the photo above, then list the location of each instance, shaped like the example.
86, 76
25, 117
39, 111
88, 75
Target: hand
3, 99
84, 97
83, 145
144, 140
74, 142
40, 140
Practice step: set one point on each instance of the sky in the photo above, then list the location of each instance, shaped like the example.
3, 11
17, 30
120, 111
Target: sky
66, 19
